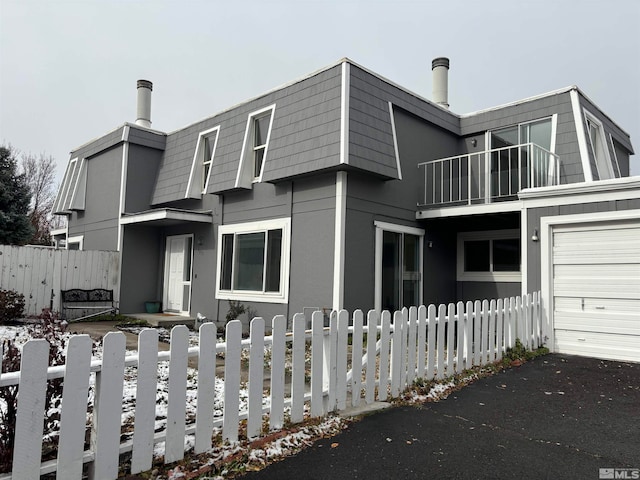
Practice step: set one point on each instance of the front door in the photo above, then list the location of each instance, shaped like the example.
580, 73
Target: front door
177, 285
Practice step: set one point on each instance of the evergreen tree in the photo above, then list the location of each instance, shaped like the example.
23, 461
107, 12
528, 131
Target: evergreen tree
15, 227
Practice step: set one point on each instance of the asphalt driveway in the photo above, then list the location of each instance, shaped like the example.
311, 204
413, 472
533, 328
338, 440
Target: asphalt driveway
557, 417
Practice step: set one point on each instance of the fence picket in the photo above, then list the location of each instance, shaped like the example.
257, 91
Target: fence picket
535, 323
278, 332
372, 340
256, 377
317, 359
341, 359
484, 335
30, 413
492, 330
385, 337
451, 329
356, 358
468, 335
404, 347
499, 328
329, 363
442, 313
177, 398
145, 412
230, 415
298, 368
396, 352
411, 345
73, 412
206, 386
107, 408
421, 325
477, 328
527, 320
431, 341
460, 361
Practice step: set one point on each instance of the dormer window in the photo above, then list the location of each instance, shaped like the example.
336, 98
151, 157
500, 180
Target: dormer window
202, 162
598, 145
255, 147
260, 131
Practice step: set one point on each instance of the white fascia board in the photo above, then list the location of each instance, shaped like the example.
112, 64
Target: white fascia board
626, 188
339, 240
345, 92
582, 138
166, 214
394, 227
521, 101
482, 209
395, 140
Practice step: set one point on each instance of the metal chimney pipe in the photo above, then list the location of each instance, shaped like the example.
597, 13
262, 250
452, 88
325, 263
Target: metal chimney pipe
440, 68
144, 103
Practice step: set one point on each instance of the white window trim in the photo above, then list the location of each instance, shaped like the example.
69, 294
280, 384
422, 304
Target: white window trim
606, 160
165, 287
615, 156
463, 276
77, 201
395, 140
79, 239
193, 187
61, 202
381, 227
244, 176
285, 257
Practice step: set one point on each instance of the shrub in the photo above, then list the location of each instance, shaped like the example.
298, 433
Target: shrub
11, 306
235, 310
50, 328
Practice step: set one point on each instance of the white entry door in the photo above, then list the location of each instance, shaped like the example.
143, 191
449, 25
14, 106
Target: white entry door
177, 284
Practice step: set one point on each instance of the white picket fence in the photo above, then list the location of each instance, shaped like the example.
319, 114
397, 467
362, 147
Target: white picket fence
37, 272
352, 361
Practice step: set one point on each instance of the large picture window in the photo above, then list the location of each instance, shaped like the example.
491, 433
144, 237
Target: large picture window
489, 256
253, 261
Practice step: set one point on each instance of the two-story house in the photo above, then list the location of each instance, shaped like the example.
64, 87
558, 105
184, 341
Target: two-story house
345, 190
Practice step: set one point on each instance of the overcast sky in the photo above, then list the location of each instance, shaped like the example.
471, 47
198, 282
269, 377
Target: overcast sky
68, 69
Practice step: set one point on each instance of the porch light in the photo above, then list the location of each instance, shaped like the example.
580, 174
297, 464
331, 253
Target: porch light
534, 237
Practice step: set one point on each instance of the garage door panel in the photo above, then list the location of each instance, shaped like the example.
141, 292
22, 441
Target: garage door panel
596, 289
600, 345
614, 322
581, 304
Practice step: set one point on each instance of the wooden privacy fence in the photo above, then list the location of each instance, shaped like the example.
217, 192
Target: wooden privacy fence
37, 272
354, 360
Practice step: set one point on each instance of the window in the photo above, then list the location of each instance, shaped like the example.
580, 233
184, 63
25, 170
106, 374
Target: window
202, 162
489, 256
255, 147
75, 243
398, 266
598, 146
253, 261
71, 195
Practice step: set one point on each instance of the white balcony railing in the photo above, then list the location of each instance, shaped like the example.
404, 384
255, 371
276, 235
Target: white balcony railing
490, 176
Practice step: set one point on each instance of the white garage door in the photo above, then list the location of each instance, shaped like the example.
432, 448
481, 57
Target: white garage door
596, 290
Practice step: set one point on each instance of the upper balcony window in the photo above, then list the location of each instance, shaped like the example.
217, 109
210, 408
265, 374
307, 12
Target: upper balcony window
202, 162
538, 133
255, 147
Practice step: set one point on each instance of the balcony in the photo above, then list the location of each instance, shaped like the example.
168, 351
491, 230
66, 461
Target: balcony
486, 177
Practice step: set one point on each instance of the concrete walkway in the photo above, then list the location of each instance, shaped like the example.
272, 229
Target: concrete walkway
557, 417
97, 330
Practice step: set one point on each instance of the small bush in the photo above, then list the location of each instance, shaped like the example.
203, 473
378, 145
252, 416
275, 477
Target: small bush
235, 310
11, 306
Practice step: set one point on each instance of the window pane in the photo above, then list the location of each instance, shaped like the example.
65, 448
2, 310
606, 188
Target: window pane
476, 256
205, 175
540, 133
208, 148
227, 260
274, 252
186, 271
504, 137
506, 255
391, 266
257, 162
261, 127
411, 271
249, 261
